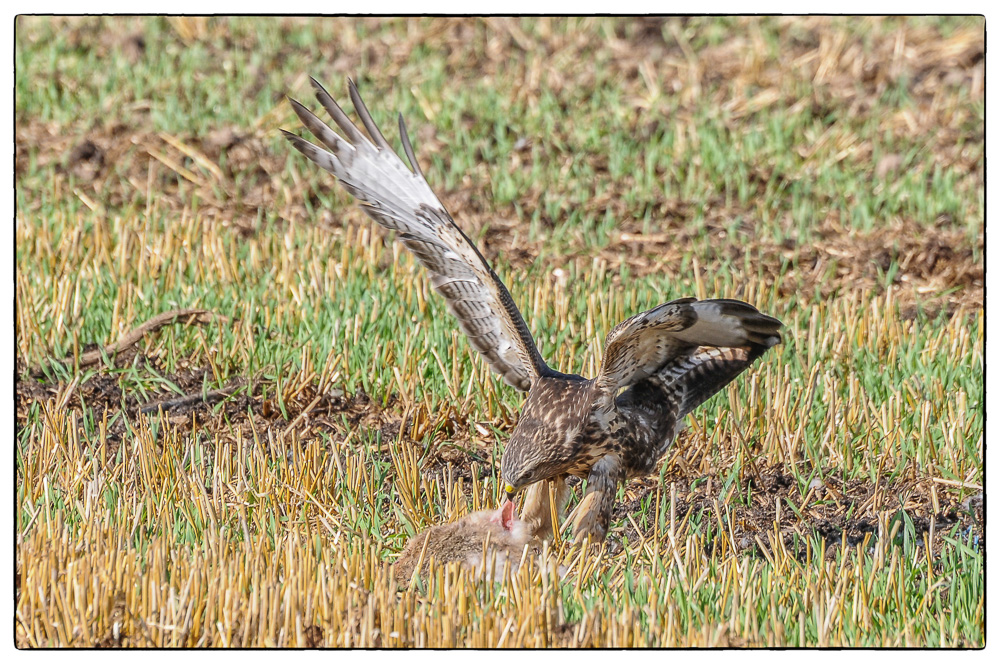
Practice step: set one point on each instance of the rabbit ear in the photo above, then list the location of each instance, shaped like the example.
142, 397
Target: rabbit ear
507, 515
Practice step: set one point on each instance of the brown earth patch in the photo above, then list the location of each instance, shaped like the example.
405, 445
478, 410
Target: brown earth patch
841, 511
116, 164
235, 173
937, 268
243, 406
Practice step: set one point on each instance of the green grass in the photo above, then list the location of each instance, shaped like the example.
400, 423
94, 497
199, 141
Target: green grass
760, 182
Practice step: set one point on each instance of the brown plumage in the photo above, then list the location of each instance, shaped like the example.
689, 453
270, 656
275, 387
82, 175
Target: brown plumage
658, 365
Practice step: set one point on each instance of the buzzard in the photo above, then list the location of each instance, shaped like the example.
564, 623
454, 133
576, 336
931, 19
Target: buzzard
658, 365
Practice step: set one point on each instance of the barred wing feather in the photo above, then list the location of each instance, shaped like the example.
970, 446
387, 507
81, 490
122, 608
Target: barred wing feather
401, 200
647, 343
696, 377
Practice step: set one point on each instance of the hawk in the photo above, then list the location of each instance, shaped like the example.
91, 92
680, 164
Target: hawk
658, 365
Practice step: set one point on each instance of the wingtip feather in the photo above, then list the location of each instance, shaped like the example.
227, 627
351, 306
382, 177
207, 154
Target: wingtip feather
366, 116
408, 148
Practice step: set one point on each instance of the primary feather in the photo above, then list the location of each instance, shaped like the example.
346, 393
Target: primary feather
401, 200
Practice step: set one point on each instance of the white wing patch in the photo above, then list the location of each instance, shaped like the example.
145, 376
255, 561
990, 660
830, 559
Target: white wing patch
669, 335
401, 200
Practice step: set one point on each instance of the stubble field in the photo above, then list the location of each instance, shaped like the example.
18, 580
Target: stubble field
244, 470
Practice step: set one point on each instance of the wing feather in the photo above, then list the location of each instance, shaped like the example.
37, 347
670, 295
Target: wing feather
644, 344
401, 200
407, 148
366, 117
353, 134
696, 377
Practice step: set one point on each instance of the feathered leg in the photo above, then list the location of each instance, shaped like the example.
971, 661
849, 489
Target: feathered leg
537, 508
594, 512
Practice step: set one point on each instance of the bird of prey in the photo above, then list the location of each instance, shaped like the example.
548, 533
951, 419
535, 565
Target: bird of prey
657, 367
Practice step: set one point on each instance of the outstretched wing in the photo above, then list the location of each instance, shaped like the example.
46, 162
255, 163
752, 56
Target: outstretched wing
668, 335
692, 379
401, 200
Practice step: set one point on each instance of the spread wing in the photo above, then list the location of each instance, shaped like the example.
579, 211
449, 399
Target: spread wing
692, 379
670, 336
402, 201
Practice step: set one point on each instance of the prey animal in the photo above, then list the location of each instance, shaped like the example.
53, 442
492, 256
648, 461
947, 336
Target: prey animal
657, 367
489, 539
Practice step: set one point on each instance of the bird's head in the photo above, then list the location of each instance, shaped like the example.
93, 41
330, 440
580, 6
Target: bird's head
545, 442
518, 467
525, 462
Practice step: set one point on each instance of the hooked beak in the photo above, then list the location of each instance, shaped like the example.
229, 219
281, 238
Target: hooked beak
510, 491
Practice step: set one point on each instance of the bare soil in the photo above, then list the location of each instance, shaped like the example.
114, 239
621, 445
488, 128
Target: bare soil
843, 512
